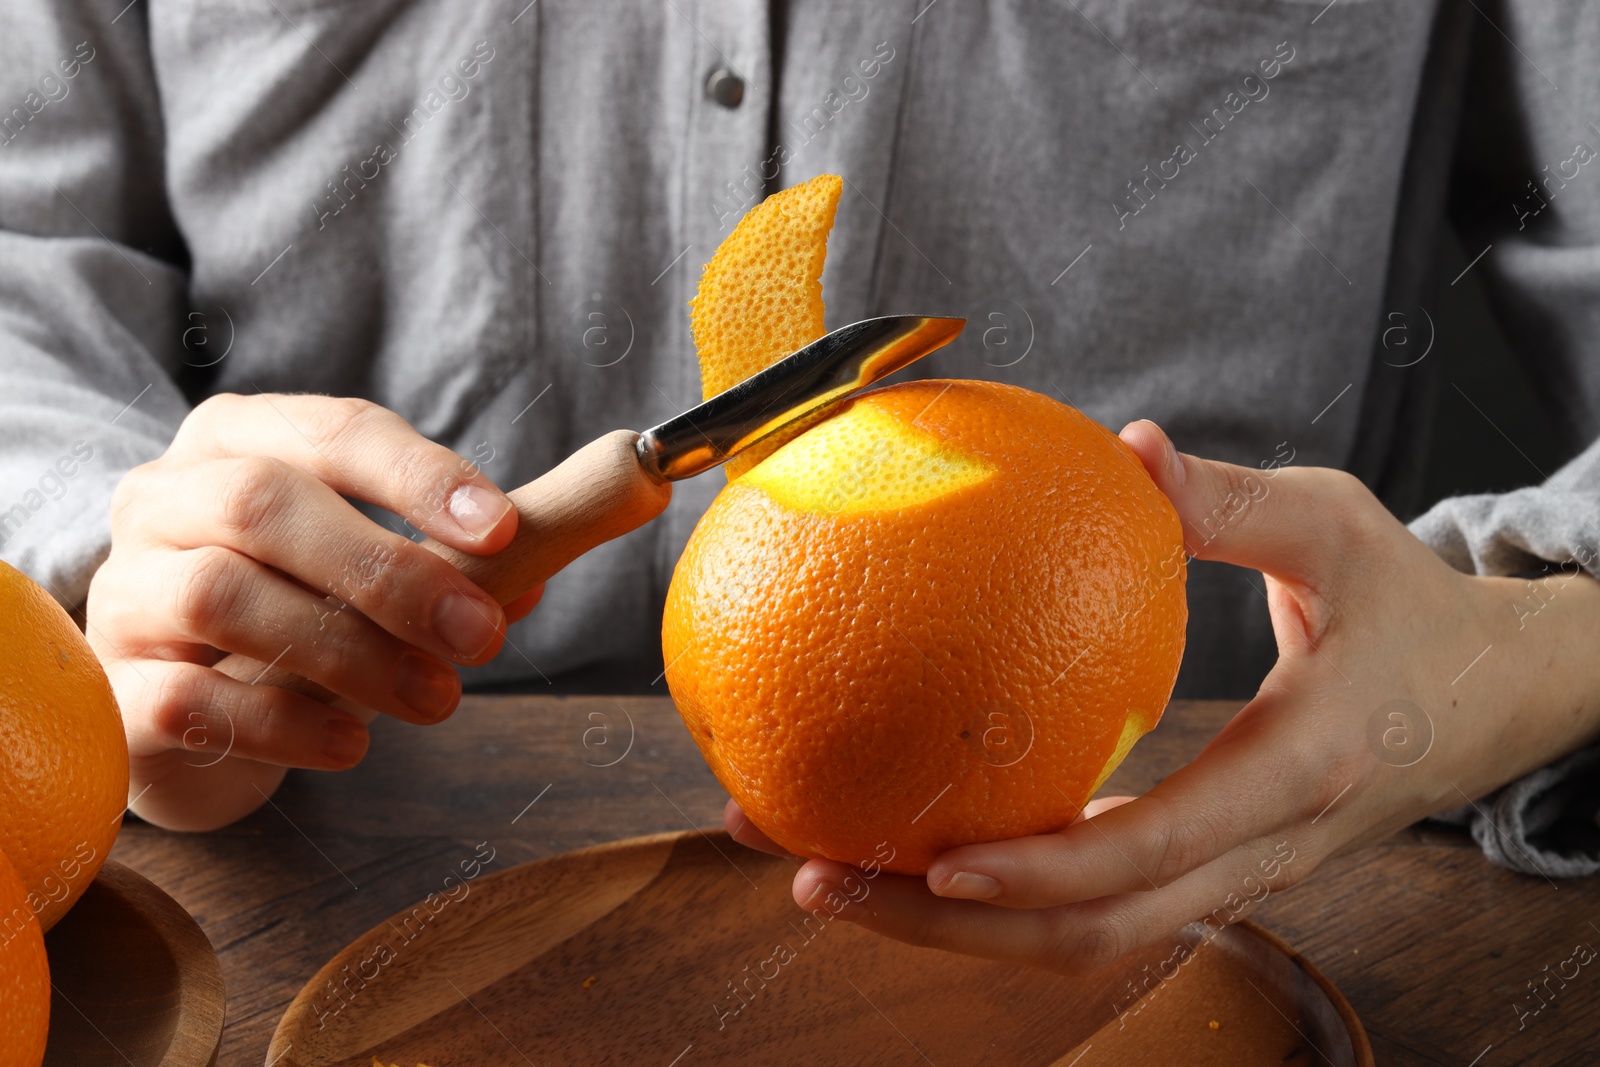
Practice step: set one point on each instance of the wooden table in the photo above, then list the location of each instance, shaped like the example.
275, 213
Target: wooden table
1433, 946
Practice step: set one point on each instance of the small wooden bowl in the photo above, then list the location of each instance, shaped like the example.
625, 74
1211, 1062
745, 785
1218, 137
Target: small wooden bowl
687, 949
136, 982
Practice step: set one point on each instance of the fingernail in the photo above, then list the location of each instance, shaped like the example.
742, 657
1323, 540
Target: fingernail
466, 624
427, 686
965, 885
344, 740
478, 510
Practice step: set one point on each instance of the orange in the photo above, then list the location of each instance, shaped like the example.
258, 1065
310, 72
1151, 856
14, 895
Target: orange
24, 976
760, 297
939, 615
63, 757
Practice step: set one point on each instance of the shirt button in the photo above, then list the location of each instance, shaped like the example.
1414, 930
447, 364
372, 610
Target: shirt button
725, 87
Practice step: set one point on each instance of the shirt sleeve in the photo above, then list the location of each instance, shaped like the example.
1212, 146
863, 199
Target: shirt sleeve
93, 281
1527, 193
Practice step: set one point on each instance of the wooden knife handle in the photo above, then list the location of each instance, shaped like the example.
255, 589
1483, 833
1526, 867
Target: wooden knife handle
598, 493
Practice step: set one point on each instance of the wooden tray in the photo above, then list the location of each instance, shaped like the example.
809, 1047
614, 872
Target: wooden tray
686, 949
136, 983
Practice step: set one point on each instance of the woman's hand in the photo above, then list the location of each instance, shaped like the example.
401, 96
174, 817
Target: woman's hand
1402, 688
239, 539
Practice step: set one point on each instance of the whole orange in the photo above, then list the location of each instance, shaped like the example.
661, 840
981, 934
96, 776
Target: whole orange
63, 756
24, 976
939, 617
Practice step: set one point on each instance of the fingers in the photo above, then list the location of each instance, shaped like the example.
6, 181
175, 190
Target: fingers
1072, 939
231, 541
189, 707
361, 450
267, 510
1064, 939
1289, 522
216, 598
1232, 796
742, 830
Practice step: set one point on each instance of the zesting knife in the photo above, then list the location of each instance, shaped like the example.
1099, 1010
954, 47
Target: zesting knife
823, 373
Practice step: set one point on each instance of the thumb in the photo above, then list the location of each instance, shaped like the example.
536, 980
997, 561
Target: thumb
1283, 522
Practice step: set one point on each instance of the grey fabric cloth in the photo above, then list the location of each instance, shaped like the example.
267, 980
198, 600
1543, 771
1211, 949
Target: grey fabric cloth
1553, 527
489, 216
1546, 822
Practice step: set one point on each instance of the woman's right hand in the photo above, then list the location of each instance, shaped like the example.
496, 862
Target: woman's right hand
239, 539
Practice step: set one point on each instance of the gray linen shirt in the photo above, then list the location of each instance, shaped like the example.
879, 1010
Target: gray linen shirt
489, 216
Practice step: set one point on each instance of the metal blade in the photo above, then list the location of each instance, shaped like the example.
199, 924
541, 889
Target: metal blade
821, 374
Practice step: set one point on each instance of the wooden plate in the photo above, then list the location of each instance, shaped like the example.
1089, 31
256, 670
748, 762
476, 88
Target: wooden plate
686, 949
136, 982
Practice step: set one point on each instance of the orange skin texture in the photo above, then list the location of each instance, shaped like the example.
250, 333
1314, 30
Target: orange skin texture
63, 755
760, 296
24, 976
939, 673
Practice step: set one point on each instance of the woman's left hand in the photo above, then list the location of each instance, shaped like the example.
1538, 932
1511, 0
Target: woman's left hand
1402, 688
